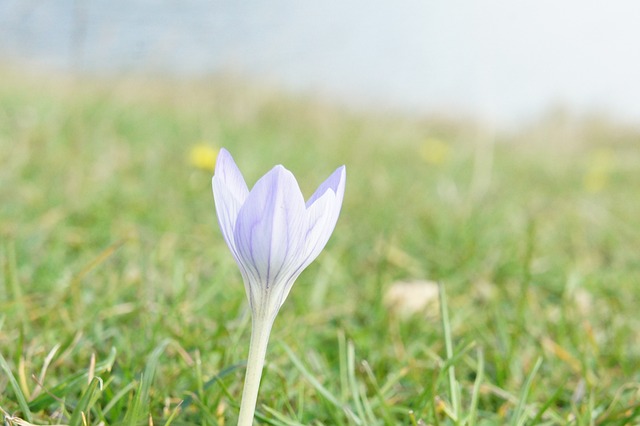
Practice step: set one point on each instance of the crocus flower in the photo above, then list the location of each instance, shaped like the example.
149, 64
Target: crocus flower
273, 235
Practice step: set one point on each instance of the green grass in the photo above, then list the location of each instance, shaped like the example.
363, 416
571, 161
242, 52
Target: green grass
120, 303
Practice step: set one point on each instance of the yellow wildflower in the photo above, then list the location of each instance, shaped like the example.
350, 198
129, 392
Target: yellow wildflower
435, 151
599, 170
203, 157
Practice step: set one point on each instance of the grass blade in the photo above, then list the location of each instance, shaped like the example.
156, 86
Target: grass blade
139, 408
22, 401
353, 383
215, 379
318, 386
61, 389
87, 399
538, 418
519, 416
475, 396
454, 388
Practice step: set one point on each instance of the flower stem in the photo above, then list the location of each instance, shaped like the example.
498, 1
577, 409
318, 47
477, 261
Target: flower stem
260, 330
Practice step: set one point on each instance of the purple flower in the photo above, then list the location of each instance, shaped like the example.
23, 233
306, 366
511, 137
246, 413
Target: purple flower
272, 233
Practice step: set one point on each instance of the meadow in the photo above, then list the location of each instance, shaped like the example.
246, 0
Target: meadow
121, 304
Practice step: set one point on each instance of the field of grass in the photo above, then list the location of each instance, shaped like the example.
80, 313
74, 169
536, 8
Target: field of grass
121, 304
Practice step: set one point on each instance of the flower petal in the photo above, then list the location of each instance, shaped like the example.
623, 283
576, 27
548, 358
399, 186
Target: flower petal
322, 216
229, 174
229, 192
333, 182
269, 231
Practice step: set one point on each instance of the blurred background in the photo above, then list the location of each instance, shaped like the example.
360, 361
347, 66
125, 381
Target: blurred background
503, 62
